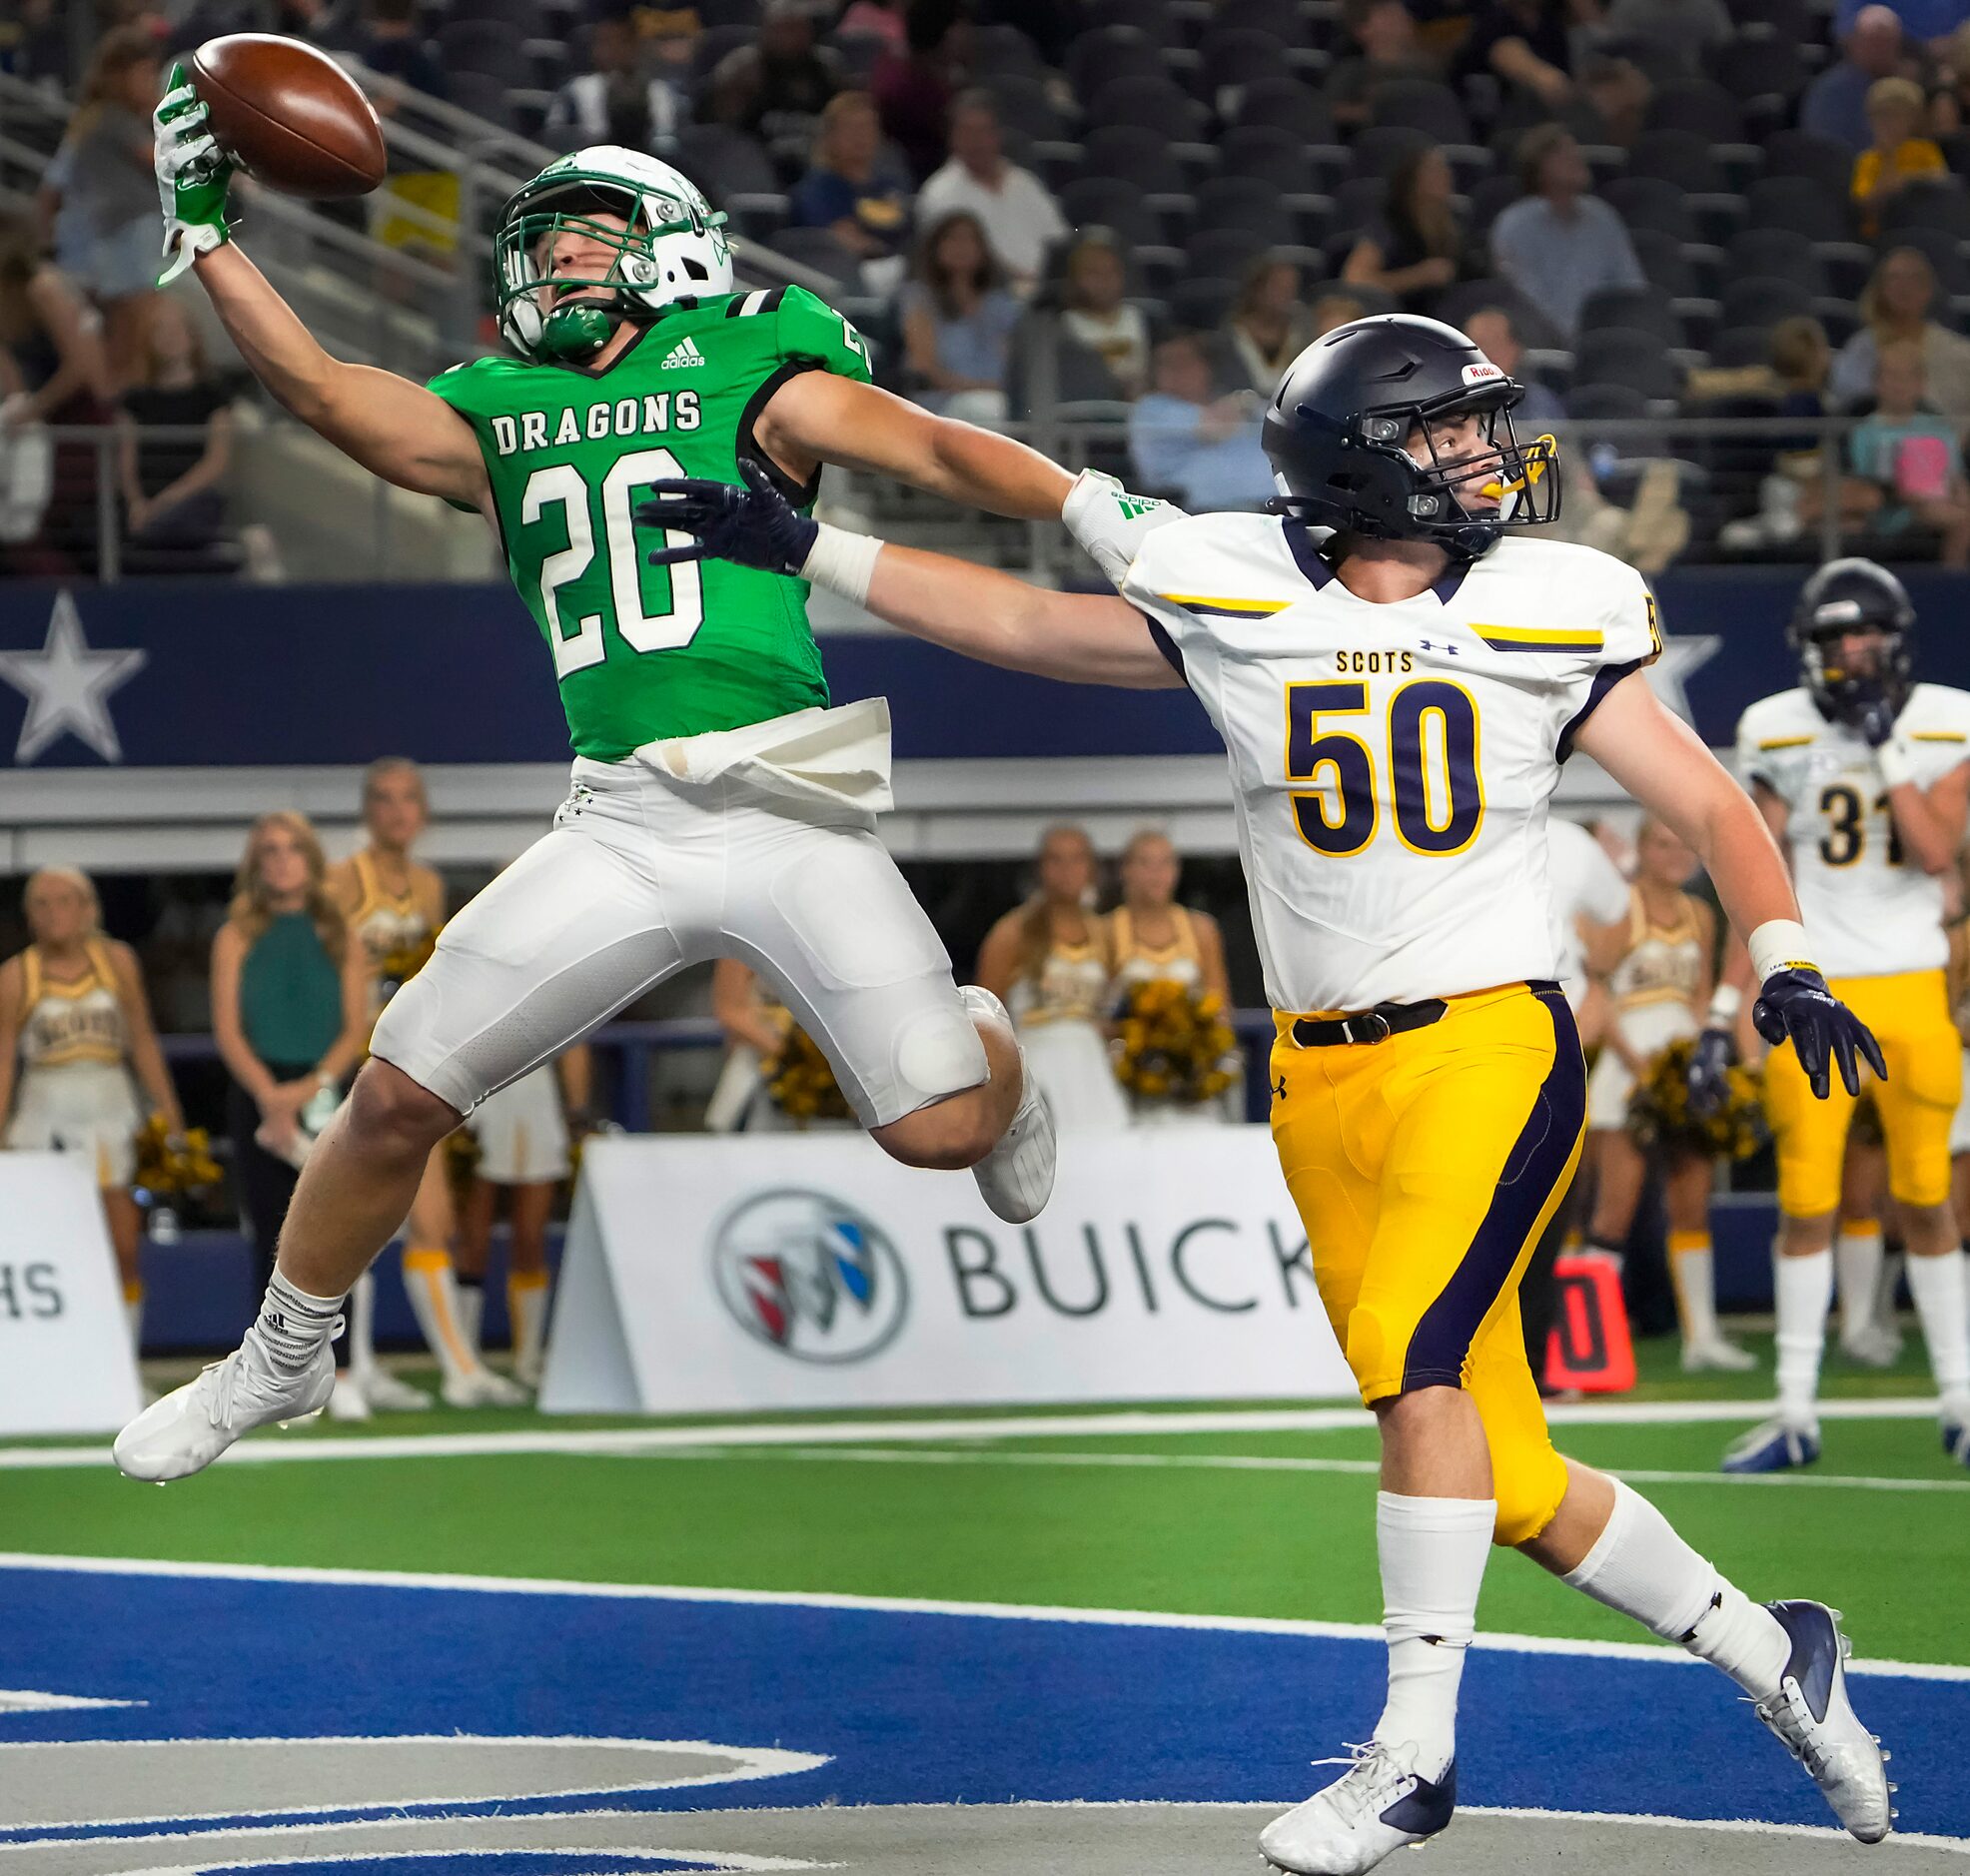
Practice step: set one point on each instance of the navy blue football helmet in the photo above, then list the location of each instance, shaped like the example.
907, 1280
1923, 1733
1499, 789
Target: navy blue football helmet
1853, 595
1336, 429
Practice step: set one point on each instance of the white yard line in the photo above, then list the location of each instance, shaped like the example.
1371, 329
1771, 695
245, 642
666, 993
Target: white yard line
269, 1449
1660, 1655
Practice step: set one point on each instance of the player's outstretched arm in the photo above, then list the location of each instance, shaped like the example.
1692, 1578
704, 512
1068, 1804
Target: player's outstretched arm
1089, 639
1664, 764
396, 428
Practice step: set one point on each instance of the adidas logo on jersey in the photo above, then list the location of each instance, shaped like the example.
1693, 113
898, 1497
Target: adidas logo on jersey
684, 352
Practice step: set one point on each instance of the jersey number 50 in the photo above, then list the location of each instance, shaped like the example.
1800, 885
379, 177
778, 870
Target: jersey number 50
561, 486
1438, 800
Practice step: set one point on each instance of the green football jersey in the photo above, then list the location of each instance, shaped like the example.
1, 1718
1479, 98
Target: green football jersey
642, 651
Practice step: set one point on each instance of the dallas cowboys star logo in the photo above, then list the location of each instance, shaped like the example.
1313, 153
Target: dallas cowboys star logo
1681, 660
67, 686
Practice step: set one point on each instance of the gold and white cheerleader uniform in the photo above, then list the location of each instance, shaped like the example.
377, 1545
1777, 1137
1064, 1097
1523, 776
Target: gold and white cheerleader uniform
1959, 1131
1059, 1018
1651, 991
1181, 961
75, 1093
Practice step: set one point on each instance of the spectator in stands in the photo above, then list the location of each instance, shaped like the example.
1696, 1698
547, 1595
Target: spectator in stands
1385, 50
1187, 441
1928, 22
1835, 103
1558, 244
1895, 112
1020, 217
615, 100
774, 89
53, 372
1331, 310
1416, 246
886, 22
34, 44
1094, 312
109, 189
1525, 45
913, 84
1684, 28
1898, 304
1949, 99
1913, 456
1269, 325
171, 493
1492, 331
852, 187
392, 43
290, 1013
958, 318
1612, 102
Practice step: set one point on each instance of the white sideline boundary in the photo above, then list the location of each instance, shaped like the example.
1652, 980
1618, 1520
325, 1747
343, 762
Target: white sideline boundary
264, 1451
1660, 1654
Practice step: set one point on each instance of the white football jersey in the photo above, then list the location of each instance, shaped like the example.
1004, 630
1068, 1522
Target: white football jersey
1867, 912
1391, 765
1584, 883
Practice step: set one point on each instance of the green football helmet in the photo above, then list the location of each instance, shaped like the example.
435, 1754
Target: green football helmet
671, 247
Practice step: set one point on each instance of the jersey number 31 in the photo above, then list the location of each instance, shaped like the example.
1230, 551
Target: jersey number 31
1433, 768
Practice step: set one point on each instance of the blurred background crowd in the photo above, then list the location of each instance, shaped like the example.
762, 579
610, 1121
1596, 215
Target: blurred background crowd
1724, 243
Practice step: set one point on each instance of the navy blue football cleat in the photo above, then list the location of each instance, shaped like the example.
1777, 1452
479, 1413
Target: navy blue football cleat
1817, 1724
1776, 1446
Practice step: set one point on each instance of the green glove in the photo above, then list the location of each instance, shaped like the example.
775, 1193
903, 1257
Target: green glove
193, 175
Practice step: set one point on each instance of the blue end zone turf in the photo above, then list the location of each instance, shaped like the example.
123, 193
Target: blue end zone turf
907, 1707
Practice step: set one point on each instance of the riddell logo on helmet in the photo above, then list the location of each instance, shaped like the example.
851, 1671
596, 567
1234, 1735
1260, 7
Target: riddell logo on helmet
1482, 373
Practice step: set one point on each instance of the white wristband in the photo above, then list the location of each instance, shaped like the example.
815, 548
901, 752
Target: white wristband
843, 563
1725, 1001
1779, 944
1894, 763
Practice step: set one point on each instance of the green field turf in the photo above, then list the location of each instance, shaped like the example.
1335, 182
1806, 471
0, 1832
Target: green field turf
1140, 1521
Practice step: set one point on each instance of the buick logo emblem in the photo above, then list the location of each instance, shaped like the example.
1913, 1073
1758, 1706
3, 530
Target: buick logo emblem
809, 1276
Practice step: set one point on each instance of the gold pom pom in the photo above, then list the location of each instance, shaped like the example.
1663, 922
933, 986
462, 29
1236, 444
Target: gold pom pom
1660, 1116
1172, 1044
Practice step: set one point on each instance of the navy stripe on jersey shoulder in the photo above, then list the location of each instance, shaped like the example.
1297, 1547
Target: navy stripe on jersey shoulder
1230, 611
1165, 644
1307, 556
1605, 680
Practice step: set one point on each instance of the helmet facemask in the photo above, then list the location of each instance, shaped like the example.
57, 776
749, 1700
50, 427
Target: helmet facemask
1844, 689
671, 247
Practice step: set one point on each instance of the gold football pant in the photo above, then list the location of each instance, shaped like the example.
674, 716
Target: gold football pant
1424, 1168
1909, 1011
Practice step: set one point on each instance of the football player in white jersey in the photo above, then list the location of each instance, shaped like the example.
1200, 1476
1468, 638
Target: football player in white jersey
1864, 779
1397, 704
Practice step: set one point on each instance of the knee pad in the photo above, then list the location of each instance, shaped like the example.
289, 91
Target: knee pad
1529, 1489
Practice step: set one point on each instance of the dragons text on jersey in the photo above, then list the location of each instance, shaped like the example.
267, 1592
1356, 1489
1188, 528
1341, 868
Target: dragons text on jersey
645, 654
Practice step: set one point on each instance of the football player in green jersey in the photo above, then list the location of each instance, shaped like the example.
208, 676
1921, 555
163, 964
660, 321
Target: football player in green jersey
719, 806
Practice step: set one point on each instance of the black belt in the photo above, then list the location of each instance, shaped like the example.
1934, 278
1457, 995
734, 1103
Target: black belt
1376, 1025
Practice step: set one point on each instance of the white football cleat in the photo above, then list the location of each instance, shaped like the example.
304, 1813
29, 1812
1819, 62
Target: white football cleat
1716, 1355
345, 1402
1016, 1176
384, 1392
1816, 1723
482, 1388
193, 1424
1873, 1345
1377, 1805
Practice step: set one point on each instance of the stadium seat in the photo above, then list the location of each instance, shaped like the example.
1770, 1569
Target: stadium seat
1793, 21
1939, 205
1272, 156
1137, 155
1377, 150
1681, 157
1763, 303
1243, 202
1357, 206
1535, 330
1490, 197
489, 46
1200, 303
817, 248
1156, 22
1664, 264
1287, 105
1284, 19
1155, 103
1586, 402
1115, 202
1026, 107
1698, 106
1800, 153
1766, 75
1774, 254
1108, 53
713, 44
737, 176
1651, 202
1236, 56
1001, 48
1222, 252
1945, 255
1632, 308
1738, 346
1420, 104
1801, 205
483, 94
1638, 360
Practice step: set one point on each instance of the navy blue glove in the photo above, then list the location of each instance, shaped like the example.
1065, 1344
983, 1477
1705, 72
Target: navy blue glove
1822, 1029
1876, 722
753, 526
1709, 1064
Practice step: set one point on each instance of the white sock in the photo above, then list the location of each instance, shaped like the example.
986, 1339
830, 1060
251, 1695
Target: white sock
1857, 1272
133, 1315
472, 1311
1433, 1552
293, 1325
1804, 1288
432, 1287
362, 1326
1938, 1289
1693, 1270
1641, 1567
526, 1304
1600, 1246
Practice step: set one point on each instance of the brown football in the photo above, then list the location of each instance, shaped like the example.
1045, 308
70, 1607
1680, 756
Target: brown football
288, 115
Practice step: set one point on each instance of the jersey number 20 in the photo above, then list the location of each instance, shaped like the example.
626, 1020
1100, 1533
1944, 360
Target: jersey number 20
561, 486
1438, 801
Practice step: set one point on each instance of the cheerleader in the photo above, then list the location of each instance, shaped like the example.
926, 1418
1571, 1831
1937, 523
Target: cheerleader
524, 1146
73, 1015
1156, 940
394, 907
1049, 960
1657, 995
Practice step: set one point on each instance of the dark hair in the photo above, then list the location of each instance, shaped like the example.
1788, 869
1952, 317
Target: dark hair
1400, 205
1256, 270
976, 99
931, 272
397, 12
1534, 147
